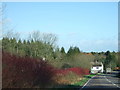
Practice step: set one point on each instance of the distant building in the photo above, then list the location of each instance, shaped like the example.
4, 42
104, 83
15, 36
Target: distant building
108, 70
43, 58
96, 67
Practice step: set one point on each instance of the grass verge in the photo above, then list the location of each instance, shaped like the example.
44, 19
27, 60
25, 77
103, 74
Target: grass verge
84, 80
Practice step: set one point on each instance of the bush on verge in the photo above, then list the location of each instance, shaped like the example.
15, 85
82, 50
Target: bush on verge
25, 72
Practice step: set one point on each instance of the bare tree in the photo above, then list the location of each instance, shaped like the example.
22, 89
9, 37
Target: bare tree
5, 30
35, 36
11, 34
2, 8
47, 38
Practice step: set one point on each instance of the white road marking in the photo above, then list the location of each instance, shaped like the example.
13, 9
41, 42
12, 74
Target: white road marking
111, 82
87, 83
104, 77
101, 84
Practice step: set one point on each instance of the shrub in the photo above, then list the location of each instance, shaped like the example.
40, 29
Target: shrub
66, 66
25, 72
70, 75
69, 78
77, 70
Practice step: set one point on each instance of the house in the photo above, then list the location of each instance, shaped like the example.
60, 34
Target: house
96, 67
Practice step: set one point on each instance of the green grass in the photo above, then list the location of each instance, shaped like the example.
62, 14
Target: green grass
84, 80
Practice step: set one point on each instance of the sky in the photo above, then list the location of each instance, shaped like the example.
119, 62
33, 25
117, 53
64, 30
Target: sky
91, 26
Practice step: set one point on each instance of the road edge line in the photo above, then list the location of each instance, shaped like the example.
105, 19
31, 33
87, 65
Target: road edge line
87, 82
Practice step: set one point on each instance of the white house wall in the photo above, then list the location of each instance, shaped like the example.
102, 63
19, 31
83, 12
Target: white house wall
94, 68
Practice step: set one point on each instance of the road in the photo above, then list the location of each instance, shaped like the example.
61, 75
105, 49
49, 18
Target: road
104, 81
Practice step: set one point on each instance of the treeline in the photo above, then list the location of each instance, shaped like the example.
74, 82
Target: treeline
42, 45
38, 45
111, 60
35, 49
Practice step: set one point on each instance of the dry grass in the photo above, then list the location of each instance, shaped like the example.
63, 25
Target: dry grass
68, 79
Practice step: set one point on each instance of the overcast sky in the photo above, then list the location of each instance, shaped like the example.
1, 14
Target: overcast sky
90, 26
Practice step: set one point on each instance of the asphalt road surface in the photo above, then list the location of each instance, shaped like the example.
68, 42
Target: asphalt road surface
104, 81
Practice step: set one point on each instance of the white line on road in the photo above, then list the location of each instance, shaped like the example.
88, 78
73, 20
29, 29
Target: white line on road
111, 82
87, 82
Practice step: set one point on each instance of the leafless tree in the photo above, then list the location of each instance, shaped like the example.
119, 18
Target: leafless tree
47, 38
11, 34
35, 35
5, 30
2, 8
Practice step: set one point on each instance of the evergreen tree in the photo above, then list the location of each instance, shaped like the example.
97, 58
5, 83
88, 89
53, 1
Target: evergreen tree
5, 45
24, 41
19, 46
70, 51
110, 60
107, 53
76, 50
62, 50
73, 50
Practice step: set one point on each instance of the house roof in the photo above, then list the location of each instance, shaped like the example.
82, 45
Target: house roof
96, 63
